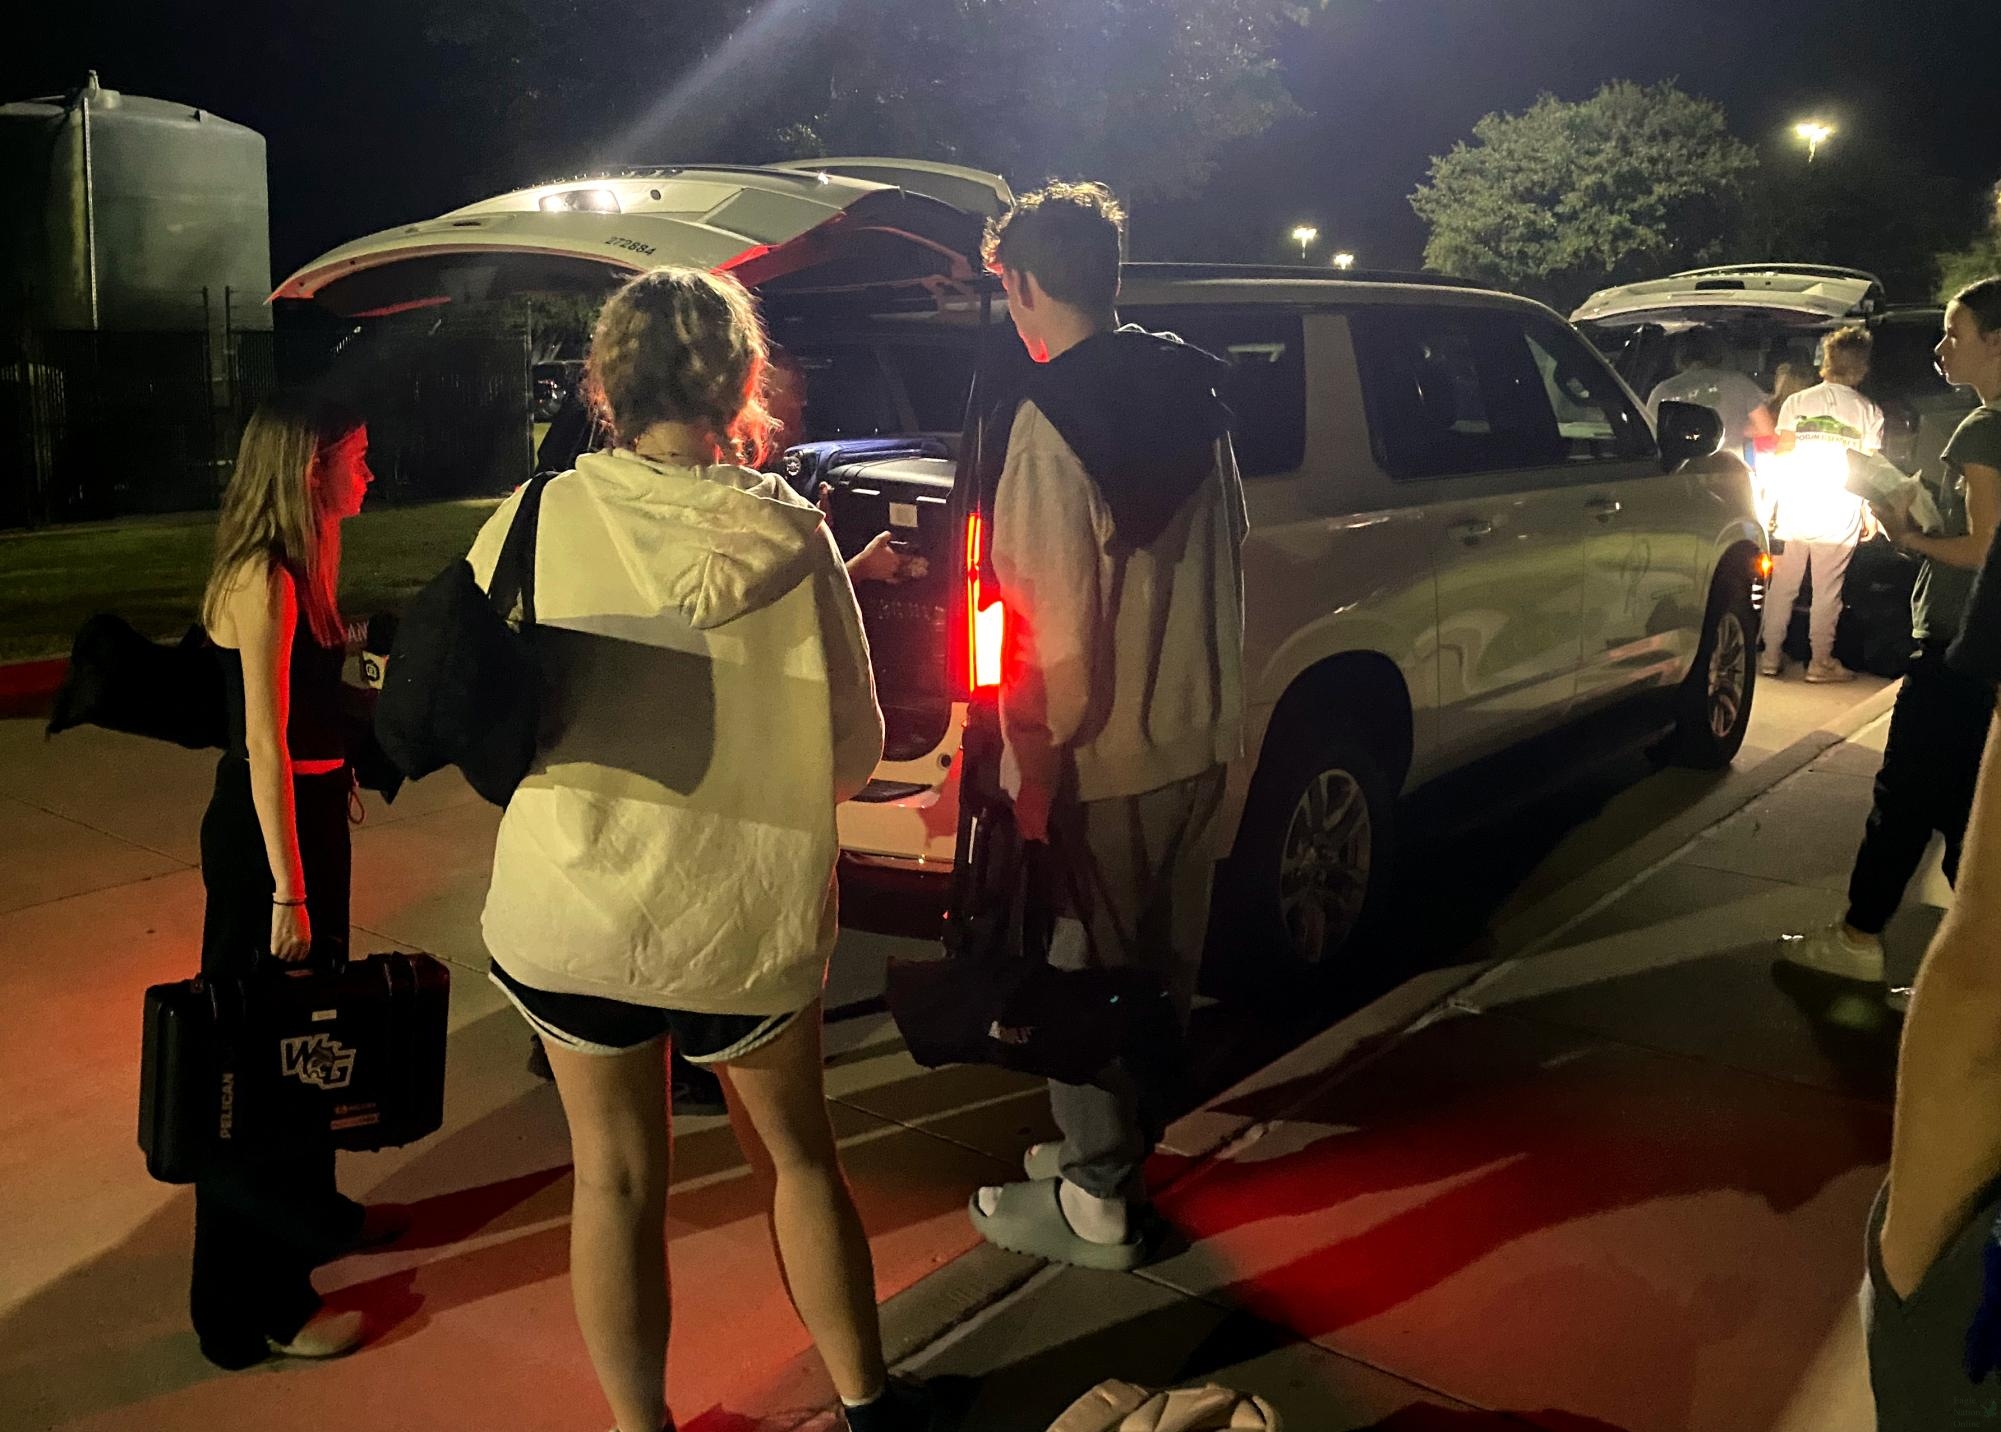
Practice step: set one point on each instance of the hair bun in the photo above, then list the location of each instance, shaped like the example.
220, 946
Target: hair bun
682, 345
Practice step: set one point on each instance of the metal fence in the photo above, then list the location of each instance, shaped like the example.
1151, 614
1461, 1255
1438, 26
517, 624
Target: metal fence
98, 425
448, 409
101, 424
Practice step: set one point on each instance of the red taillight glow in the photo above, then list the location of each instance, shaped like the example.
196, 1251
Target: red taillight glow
749, 255
986, 622
1766, 566
989, 627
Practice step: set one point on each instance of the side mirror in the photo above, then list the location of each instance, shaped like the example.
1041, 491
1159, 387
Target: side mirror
1689, 432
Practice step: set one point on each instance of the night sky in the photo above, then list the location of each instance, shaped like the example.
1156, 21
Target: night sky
360, 136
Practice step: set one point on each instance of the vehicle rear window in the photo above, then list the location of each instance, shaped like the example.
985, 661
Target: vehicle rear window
1266, 386
1452, 392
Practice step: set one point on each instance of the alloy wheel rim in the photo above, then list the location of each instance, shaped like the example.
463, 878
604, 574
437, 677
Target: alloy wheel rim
1324, 865
1728, 675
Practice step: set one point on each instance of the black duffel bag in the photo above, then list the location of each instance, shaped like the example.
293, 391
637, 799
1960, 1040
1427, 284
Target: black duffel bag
463, 687
275, 1062
995, 998
119, 680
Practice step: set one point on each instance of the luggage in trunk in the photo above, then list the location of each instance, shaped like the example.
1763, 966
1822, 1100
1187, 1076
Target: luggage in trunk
908, 622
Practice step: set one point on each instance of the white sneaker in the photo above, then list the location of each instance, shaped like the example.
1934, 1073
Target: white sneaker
1831, 950
1827, 673
1771, 664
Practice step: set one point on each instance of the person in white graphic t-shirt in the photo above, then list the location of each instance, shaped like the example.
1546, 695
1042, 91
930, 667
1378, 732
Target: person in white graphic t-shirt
1702, 378
1805, 484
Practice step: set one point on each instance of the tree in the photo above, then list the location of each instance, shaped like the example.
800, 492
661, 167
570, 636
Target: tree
1567, 197
1978, 260
1868, 203
1143, 95
540, 88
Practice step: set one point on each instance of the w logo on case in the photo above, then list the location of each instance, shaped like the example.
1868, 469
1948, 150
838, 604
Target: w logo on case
319, 1061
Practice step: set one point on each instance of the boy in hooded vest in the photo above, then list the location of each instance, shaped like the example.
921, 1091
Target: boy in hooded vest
1118, 524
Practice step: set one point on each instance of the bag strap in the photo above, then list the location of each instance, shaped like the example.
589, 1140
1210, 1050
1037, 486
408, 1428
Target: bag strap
514, 570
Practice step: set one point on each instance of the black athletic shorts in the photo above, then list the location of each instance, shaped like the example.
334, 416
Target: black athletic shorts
590, 1024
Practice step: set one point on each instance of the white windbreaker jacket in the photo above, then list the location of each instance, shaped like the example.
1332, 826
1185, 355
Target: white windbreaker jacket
710, 703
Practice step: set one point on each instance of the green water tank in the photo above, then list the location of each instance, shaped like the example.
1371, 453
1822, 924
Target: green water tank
123, 213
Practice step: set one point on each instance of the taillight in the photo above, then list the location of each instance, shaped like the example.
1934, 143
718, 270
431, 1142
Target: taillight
1765, 566
986, 621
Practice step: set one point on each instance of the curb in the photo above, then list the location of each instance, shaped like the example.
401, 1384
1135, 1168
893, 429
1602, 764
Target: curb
27, 687
1533, 929
1430, 995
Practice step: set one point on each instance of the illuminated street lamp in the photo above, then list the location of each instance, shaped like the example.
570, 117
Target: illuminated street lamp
1344, 260
1814, 134
1304, 236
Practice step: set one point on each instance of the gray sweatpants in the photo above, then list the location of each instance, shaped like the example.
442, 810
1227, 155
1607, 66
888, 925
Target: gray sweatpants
1829, 563
1142, 867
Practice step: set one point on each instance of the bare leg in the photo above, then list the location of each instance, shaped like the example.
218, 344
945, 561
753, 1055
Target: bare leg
620, 1142
778, 1098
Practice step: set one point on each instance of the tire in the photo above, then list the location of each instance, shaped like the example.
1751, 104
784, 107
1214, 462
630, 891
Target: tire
1297, 906
1713, 706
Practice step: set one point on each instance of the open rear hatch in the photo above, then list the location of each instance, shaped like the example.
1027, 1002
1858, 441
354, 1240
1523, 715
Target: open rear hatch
831, 247
779, 228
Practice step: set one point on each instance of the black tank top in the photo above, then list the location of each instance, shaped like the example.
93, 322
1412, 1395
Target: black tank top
313, 729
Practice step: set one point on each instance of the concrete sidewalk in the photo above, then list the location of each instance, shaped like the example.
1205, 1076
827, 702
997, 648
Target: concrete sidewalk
100, 896
1619, 1176
1618, 1182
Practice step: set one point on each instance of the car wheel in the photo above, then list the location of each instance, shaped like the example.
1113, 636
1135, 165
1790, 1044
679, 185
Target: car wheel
1713, 707
1312, 864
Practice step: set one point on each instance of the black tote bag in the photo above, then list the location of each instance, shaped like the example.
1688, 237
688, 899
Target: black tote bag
995, 999
464, 687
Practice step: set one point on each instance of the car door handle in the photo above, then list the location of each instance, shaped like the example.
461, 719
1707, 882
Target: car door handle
1605, 508
1471, 532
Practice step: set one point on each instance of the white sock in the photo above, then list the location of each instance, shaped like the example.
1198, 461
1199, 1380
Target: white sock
1093, 1219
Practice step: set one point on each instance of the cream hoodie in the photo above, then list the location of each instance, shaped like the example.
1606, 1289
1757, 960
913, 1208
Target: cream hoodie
710, 704
1126, 666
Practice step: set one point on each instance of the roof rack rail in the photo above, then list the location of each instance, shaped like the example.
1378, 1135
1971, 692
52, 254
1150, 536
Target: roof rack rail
1296, 273
1800, 270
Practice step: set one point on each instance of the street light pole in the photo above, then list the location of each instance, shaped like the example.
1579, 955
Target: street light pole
1304, 236
1344, 260
1814, 134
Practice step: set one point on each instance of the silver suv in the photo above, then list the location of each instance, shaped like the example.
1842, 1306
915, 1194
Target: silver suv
1465, 532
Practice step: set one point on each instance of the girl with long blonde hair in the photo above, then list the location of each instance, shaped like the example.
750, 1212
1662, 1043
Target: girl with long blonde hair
275, 859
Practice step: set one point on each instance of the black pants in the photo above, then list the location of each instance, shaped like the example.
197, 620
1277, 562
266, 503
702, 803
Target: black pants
1930, 765
262, 1224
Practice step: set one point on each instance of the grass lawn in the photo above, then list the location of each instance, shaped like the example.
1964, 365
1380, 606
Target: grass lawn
151, 570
